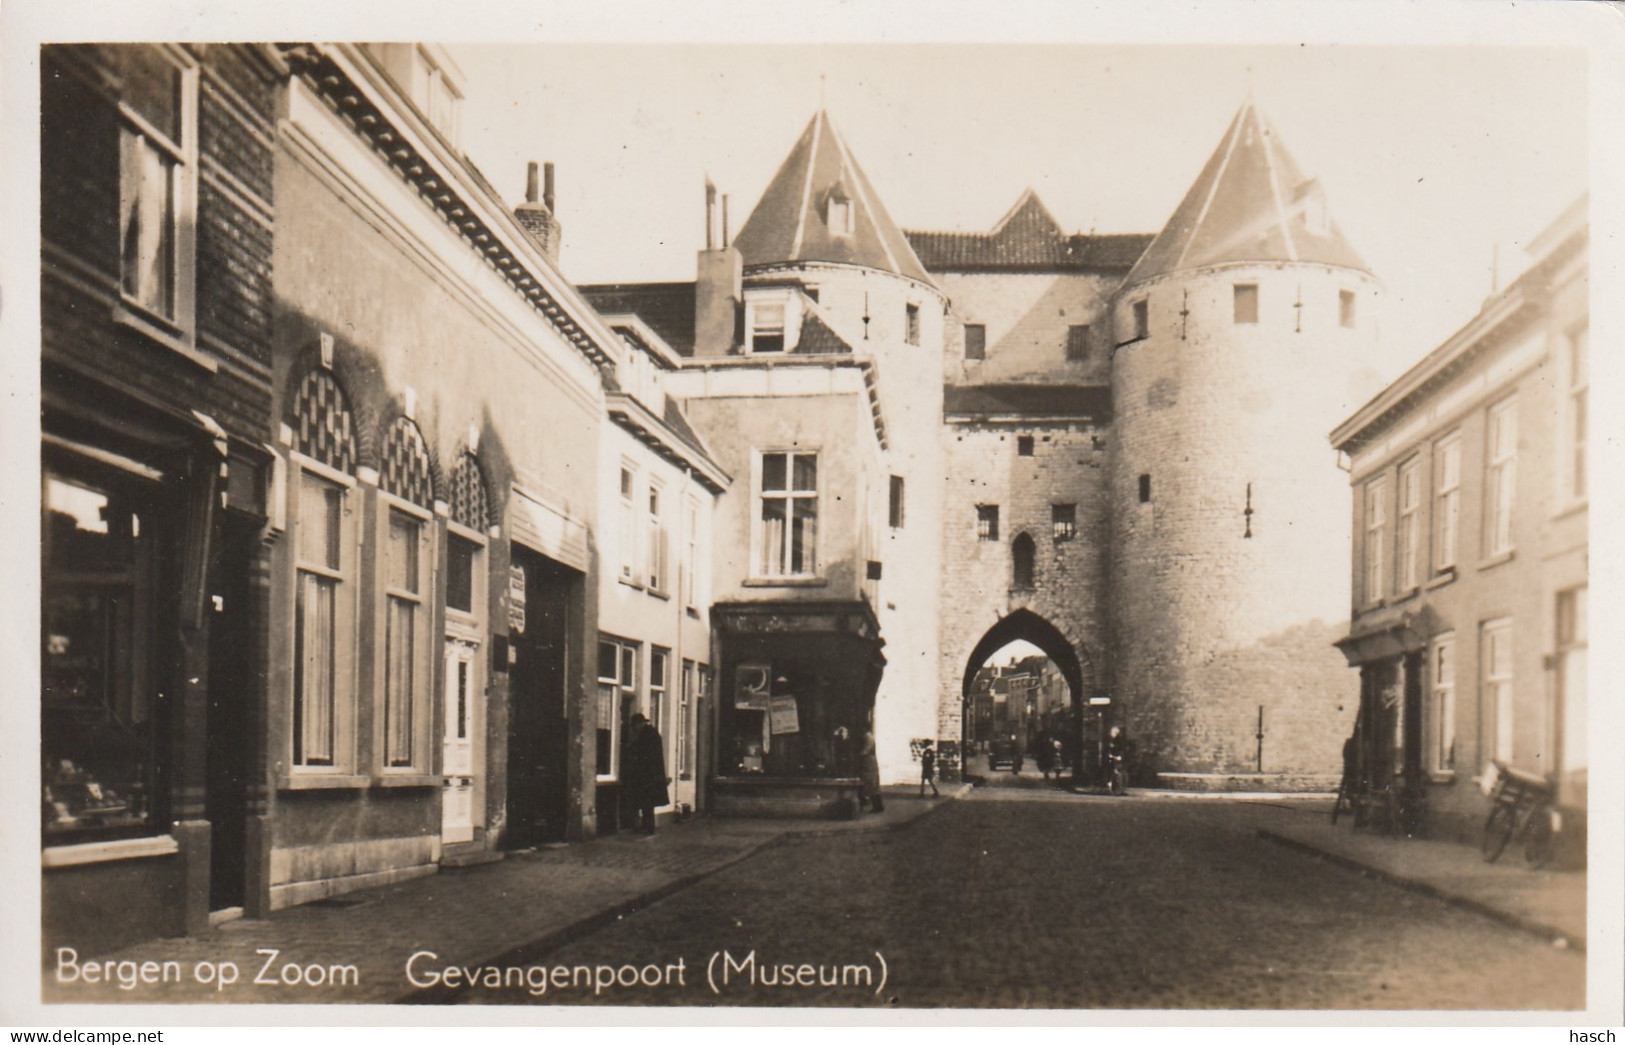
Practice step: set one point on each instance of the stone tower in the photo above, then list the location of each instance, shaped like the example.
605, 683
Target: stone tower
1236, 334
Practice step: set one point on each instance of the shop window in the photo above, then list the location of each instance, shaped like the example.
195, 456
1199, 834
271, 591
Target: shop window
1500, 476
987, 522
157, 181
1077, 343
894, 514
787, 529
1376, 540
911, 324
1022, 554
975, 341
1443, 680
1063, 522
1446, 500
1246, 302
98, 751
1495, 690
617, 695
1346, 308
1410, 525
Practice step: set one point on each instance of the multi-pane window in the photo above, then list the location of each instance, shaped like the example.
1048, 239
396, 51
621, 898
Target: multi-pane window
911, 323
157, 175
403, 609
975, 341
320, 571
617, 693
658, 660
1063, 521
1442, 680
685, 723
1376, 540
629, 524
767, 326
1500, 476
1495, 690
895, 506
987, 522
1246, 302
1346, 308
788, 519
691, 564
1410, 525
1446, 500
1077, 343
1573, 638
657, 540
1142, 319
1579, 390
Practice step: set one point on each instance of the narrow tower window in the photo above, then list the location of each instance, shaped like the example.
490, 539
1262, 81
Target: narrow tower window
1024, 445
1345, 307
1246, 302
1145, 489
975, 341
911, 324
987, 522
1022, 555
1064, 521
1142, 319
1077, 343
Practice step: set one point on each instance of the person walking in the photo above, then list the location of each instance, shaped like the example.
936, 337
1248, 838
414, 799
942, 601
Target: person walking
928, 768
869, 774
645, 772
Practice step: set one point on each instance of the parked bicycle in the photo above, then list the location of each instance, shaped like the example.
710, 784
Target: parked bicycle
1520, 808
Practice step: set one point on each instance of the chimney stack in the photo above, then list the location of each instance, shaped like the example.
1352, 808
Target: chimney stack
536, 215
719, 287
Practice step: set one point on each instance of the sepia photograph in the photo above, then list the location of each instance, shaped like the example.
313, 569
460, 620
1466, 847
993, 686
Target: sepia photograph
655, 518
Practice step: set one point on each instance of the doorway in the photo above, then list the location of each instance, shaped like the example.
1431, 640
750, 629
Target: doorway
229, 762
538, 781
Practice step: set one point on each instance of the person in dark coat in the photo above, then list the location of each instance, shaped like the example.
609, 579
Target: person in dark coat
928, 768
645, 772
869, 774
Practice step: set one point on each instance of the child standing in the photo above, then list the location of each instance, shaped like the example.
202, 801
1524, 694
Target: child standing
928, 768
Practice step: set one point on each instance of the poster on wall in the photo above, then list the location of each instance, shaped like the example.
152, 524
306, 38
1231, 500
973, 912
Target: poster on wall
782, 714
752, 683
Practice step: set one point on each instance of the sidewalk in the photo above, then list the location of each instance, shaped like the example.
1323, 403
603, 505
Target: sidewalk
355, 948
1549, 902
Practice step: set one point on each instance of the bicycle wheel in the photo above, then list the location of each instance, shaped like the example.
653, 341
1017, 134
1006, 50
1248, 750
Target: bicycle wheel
1539, 840
1498, 831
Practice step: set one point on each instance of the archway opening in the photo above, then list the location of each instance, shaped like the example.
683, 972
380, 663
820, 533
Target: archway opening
1025, 712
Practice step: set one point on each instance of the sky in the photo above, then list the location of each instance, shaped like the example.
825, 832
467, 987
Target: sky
1436, 160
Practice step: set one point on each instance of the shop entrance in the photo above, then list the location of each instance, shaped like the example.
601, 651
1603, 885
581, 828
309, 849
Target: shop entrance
1025, 716
538, 781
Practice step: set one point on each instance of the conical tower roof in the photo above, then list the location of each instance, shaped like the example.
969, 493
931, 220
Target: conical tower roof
1251, 203
794, 221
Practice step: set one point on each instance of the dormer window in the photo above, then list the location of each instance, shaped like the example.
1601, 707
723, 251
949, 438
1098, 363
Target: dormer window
766, 327
840, 214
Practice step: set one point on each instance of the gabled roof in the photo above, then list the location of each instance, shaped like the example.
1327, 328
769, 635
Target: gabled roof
1250, 203
668, 308
1027, 238
816, 336
791, 223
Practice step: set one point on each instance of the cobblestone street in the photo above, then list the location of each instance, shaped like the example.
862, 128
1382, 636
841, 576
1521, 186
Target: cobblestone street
1022, 897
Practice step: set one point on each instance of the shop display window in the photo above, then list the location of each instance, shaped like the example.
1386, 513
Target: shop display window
786, 718
96, 711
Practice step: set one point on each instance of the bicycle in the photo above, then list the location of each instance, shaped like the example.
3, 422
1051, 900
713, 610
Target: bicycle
1520, 808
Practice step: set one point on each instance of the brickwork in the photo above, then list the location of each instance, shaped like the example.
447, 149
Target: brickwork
1228, 551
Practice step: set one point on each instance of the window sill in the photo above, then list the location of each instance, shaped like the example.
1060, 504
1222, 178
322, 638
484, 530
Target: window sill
630, 583
785, 582
105, 852
1496, 560
406, 780
127, 313
323, 782
1572, 508
1405, 596
1445, 576
692, 612
659, 593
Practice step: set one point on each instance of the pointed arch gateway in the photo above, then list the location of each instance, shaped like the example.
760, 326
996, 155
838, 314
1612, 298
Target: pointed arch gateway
1073, 660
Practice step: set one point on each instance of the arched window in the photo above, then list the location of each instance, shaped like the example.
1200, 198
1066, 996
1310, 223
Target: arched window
1021, 554
324, 429
406, 464
469, 505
